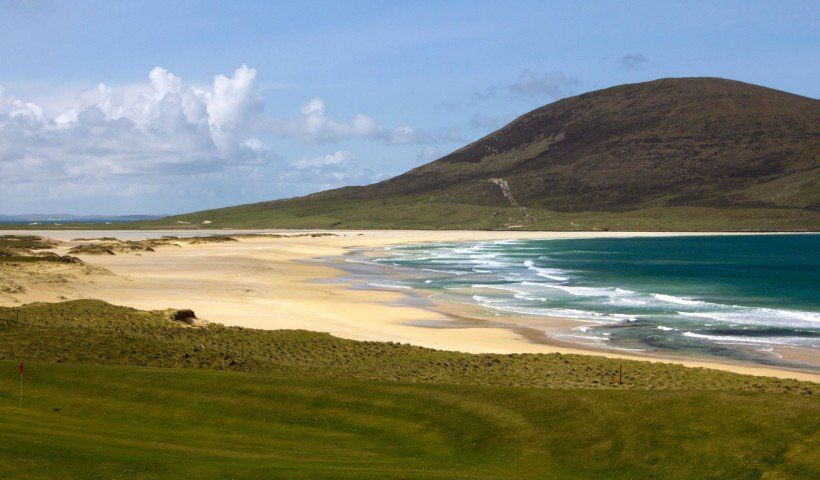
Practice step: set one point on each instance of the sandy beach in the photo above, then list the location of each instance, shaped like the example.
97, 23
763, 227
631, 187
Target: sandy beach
293, 283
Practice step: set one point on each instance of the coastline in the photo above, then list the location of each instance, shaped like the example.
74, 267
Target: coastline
288, 283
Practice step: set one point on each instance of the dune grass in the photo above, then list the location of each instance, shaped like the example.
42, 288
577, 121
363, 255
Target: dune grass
92, 331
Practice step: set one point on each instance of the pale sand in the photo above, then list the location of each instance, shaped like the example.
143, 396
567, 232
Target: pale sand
277, 284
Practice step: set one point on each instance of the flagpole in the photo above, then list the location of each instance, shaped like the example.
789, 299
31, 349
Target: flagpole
21, 368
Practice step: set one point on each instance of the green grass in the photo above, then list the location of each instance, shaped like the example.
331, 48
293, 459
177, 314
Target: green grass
414, 213
22, 249
130, 422
241, 403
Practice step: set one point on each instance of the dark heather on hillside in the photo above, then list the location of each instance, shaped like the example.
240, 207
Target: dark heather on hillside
689, 153
674, 142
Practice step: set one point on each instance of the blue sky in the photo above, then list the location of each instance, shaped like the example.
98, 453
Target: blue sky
206, 104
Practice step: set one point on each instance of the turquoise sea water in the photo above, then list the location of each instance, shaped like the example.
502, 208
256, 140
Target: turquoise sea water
740, 296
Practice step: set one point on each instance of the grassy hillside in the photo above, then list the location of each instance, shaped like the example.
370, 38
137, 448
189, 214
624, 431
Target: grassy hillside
91, 331
241, 403
412, 213
671, 154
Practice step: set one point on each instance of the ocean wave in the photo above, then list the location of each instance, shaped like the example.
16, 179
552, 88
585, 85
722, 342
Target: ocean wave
677, 300
550, 273
529, 298
570, 336
576, 290
739, 340
483, 299
513, 277
733, 314
451, 272
570, 313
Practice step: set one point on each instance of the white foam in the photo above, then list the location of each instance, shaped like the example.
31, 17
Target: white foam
451, 272
571, 336
350, 260
732, 314
384, 285
527, 297
550, 273
577, 291
677, 300
629, 300
527, 289
740, 340
483, 299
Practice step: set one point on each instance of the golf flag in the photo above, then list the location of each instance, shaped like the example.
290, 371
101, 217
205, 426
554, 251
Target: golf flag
22, 368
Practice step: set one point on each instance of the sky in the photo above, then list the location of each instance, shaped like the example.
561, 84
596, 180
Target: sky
169, 107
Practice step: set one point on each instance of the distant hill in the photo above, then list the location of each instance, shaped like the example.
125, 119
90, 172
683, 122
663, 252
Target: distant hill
677, 154
65, 218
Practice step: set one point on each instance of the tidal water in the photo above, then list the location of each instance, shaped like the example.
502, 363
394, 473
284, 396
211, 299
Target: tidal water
744, 296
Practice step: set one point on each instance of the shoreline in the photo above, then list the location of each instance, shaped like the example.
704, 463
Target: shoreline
288, 283
468, 316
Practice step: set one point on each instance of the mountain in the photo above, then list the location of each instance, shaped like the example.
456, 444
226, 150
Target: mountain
677, 154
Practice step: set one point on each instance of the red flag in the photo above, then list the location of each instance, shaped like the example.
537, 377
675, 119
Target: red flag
22, 368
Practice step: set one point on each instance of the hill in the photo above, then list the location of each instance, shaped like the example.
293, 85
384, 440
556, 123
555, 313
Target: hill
670, 154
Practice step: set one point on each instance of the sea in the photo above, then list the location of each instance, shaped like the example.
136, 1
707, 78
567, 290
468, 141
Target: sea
748, 297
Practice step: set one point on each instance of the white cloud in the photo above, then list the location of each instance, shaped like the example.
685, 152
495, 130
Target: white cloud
233, 105
171, 128
315, 125
169, 142
332, 170
337, 158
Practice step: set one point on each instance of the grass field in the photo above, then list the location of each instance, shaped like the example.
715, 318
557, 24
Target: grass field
295, 404
89, 421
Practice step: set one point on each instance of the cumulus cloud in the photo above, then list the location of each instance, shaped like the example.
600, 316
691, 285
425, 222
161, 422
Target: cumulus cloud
633, 60
315, 125
340, 157
172, 128
332, 170
550, 84
148, 139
